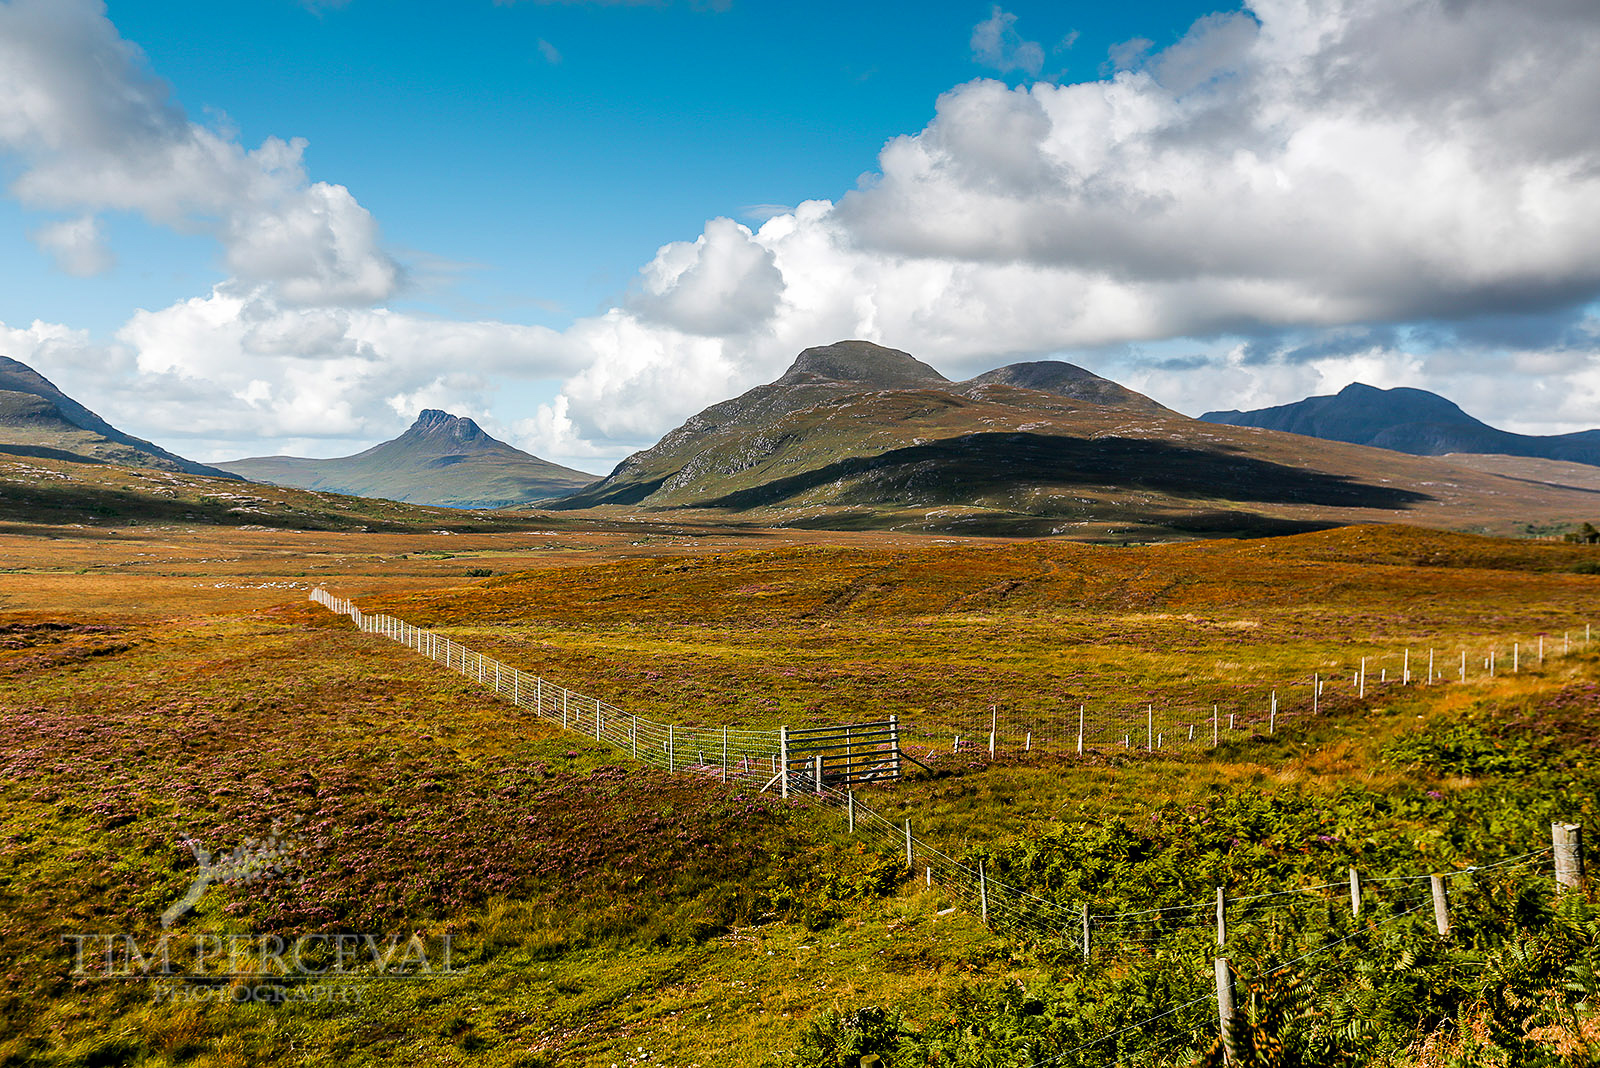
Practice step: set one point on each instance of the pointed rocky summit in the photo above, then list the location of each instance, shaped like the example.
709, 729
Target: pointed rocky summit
442, 459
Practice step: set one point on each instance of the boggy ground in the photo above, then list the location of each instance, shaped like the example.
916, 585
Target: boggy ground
605, 913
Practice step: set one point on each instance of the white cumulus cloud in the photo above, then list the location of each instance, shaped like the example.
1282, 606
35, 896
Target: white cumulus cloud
996, 43
78, 246
1298, 166
96, 131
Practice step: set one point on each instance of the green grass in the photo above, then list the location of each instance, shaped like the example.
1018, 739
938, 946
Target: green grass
604, 910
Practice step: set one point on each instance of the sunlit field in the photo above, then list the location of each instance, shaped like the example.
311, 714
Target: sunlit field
601, 912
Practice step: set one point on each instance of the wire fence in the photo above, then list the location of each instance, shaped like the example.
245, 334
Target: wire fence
724, 752
1238, 710
755, 757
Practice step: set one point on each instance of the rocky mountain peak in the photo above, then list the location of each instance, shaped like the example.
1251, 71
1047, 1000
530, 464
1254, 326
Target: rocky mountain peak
872, 366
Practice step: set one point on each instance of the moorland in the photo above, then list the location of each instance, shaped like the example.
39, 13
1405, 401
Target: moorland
167, 683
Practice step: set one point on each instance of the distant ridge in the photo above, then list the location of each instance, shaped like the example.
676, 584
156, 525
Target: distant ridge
442, 460
1408, 420
858, 436
1067, 380
37, 419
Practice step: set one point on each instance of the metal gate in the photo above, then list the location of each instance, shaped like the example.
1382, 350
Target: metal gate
841, 757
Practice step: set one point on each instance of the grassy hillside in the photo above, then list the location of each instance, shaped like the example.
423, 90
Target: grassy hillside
608, 914
54, 492
997, 459
37, 419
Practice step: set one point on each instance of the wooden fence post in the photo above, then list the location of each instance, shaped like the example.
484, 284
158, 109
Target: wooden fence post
1222, 916
633, 736
1405, 669
894, 740
1086, 930
1316, 693
993, 725
783, 757
1441, 906
1567, 841
672, 759
1355, 893
819, 774
1080, 730
1272, 720
724, 754
850, 809
983, 894
1225, 1010
910, 864
1150, 728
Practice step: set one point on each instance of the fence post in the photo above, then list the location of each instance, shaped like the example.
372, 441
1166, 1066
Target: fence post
783, 756
1567, 841
1214, 715
1430, 666
1316, 692
850, 809
983, 895
1080, 730
1441, 907
819, 774
1225, 1010
1222, 916
993, 724
633, 736
1150, 728
672, 764
894, 740
597, 720
1405, 669
724, 754
1272, 720
1463, 665
1355, 893
1085, 930
909, 864
1363, 684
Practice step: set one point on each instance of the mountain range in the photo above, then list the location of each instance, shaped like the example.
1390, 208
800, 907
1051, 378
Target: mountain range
858, 436
1409, 420
855, 435
38, 420
443, 460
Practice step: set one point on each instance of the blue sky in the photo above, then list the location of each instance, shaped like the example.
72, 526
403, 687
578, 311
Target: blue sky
581, 222
533, 190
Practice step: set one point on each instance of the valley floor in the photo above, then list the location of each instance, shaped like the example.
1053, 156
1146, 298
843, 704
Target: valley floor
169, 689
